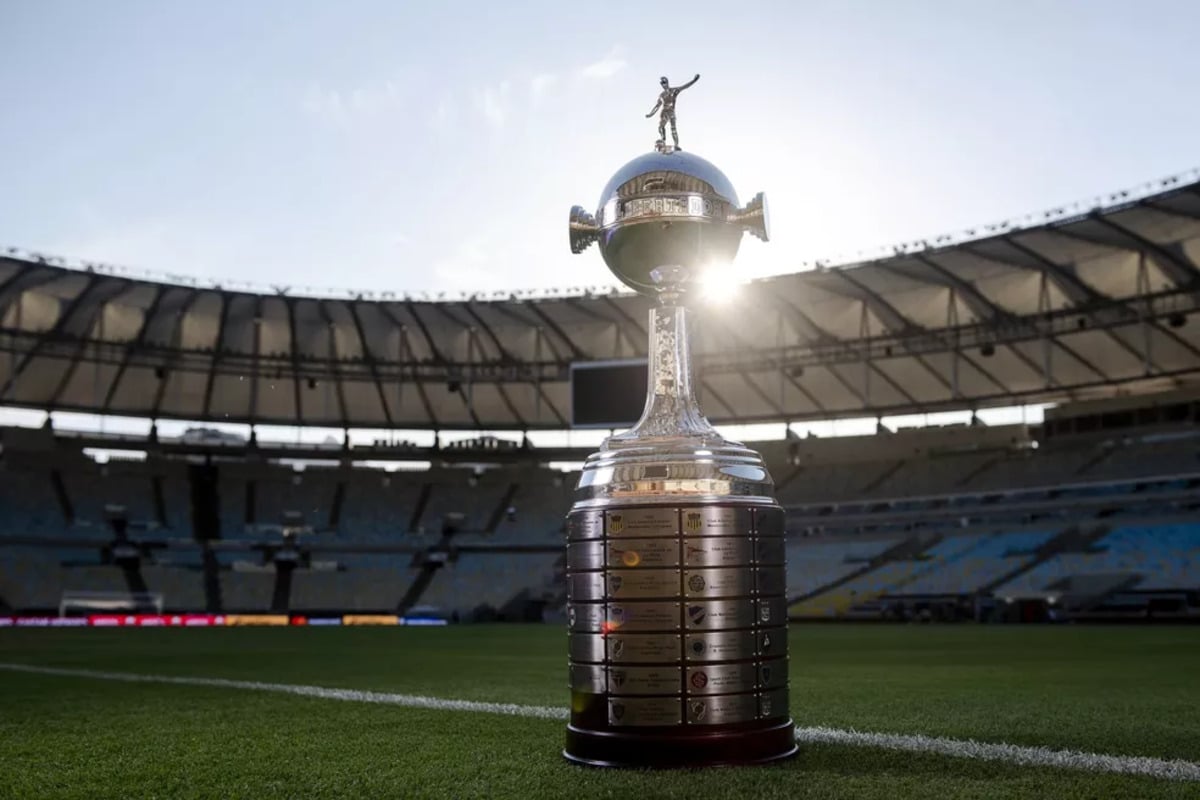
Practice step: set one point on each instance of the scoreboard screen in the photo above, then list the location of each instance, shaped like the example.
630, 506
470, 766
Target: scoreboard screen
608, 394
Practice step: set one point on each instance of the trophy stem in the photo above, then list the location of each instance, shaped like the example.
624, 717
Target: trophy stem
672, 410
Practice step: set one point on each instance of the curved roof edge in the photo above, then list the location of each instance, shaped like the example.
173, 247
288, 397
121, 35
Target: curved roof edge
1061, 214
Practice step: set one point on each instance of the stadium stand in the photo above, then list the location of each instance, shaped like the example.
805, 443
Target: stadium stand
971, 512
1092, 510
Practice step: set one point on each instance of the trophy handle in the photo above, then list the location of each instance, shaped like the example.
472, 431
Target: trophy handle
754, 217
583, 229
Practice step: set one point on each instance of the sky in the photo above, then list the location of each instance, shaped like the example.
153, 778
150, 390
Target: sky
437, 147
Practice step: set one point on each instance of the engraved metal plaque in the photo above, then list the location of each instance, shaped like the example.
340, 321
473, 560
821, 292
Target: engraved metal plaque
644, 711
627, 583
585, 525
643, 616
643, 553
768, 521
586, 586
769, 550
773, 703
718, 583
712, 615
771, 580
772, 611
717, 551
643, 680
716, 521
719, 646
644, 647
722, 709
773, 674
771, 642
720, 678
585, 617
585, 555
587, 678
662, 521
585, 647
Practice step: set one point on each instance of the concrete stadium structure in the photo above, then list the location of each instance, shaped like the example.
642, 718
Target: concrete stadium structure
1092, 512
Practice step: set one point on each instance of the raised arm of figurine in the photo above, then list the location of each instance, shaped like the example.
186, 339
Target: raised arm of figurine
657, 106
689, 83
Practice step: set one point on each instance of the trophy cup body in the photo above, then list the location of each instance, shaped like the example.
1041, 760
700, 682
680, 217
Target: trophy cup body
677, 615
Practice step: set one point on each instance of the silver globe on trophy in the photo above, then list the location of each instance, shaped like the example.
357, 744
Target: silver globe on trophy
677, 615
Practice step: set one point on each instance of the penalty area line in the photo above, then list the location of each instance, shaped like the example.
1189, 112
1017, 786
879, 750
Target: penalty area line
1166, 769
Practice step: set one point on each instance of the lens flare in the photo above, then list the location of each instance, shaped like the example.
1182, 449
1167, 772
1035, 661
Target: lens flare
719, 285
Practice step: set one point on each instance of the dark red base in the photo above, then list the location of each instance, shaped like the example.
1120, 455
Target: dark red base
677, 748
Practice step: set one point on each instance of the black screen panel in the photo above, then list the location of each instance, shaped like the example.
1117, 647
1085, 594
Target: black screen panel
608, 394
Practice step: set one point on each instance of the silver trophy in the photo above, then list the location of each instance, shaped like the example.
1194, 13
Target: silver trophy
676, 607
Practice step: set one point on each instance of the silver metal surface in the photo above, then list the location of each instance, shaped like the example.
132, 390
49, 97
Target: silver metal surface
643, 553
773, 703
666, 102
624, 711
585, 525
769, 550
768, 521
770, 580
675, 575
771, 642
644, 616
722, 709
643, 583
717, 521
583, 229
712, 615
643, 680
720, 679
772, 611
705, 583
585, 586
720, 646
585, 555
662, 521
773, 674
718, 552
696, 219
586, 647
585, 617
587, 678
645, 648
646, 209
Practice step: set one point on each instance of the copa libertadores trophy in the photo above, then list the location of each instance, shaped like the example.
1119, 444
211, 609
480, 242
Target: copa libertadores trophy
675, 551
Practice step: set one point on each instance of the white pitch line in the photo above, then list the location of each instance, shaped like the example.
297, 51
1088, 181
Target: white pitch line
1177, 770
1166, 769
321, 692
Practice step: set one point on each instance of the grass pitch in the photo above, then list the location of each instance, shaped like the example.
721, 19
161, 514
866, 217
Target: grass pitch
1121, 691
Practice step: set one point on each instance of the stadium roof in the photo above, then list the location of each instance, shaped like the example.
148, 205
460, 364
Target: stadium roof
1076, 305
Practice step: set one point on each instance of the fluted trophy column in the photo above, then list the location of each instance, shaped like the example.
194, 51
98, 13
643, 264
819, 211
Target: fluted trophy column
675, 551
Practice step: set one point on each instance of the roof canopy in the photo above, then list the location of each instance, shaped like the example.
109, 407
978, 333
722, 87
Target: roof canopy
1090, 305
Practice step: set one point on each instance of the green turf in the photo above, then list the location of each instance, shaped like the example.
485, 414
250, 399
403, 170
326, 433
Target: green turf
1131, 691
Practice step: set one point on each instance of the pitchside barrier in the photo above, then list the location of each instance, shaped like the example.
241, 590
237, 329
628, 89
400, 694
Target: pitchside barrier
110, 620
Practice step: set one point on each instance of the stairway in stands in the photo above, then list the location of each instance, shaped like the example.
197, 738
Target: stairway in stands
883, 573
